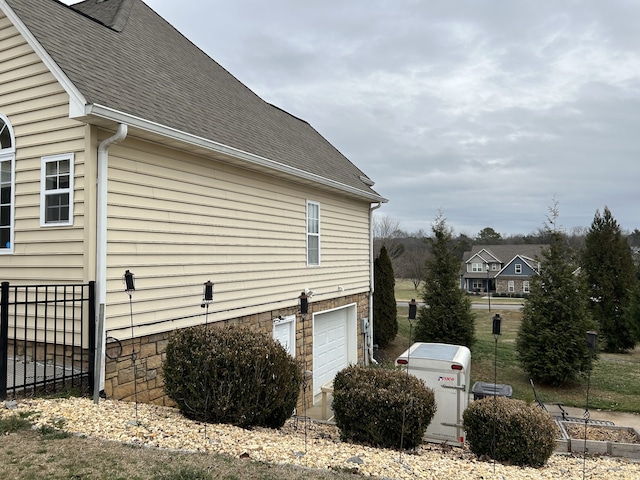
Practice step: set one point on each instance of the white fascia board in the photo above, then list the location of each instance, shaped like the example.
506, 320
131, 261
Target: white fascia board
158, 129
76, 99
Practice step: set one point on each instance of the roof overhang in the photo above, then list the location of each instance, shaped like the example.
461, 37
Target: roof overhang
108, 118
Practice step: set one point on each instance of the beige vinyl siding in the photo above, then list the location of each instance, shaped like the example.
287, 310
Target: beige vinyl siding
37, 107
177, 220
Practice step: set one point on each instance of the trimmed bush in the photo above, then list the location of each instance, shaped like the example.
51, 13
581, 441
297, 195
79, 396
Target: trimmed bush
231, 375
525, 434
368, 405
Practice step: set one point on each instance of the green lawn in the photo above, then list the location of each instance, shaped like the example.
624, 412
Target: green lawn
615, 379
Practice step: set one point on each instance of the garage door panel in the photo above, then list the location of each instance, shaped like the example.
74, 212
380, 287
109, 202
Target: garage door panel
329, 346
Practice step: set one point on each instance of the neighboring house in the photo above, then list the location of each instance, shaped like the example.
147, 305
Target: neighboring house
500, 269
125, 147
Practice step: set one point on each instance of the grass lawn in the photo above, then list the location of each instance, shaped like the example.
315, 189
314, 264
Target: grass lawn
615, 379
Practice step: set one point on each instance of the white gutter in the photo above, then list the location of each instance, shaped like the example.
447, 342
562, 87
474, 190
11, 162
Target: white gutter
101, 255
369, 337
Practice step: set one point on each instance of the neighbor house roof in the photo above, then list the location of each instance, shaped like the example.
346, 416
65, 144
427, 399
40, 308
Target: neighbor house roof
125, 63
504, 253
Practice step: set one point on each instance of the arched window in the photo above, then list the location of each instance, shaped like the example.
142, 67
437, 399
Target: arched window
7, 175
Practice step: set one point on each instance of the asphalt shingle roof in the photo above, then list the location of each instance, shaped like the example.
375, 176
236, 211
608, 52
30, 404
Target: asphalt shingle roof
120, 54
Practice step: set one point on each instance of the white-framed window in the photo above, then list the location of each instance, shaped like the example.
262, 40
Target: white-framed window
313, 233
477, 284
525, 286
284, 331
7, 187
56, 190
518, 267
494, 266
512, 286
476, 267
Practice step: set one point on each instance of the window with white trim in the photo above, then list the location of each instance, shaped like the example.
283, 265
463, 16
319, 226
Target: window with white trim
525, 286
476, 267
512, 286
7, 175
477, 284
56, 190
518, 268
313, 233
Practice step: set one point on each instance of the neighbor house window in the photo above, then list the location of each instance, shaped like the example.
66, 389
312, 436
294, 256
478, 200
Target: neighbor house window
525, 286
7, 174
477, 284
512, 287
56, 190
313, 233
518, 268
476, 267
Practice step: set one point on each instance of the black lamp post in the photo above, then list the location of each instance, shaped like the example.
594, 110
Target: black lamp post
495, 331
413, 310
207, 299
129, 288
592, 339
303, 301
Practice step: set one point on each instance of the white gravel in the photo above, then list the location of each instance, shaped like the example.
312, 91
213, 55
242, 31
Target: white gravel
163, 427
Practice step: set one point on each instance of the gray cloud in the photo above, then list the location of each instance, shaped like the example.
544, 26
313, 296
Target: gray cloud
485, 110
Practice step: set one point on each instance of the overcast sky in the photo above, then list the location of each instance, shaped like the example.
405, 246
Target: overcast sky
484, 110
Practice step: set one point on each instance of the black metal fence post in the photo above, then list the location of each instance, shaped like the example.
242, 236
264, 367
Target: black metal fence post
92, 335
4, 342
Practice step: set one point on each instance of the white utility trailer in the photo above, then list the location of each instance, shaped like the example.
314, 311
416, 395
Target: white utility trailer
447, 370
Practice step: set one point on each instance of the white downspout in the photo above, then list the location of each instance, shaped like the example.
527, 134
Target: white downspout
369, 336
101, 255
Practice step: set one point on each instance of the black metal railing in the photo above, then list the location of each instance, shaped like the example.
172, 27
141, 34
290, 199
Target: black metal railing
47, 339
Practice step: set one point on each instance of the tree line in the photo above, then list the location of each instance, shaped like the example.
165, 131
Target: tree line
588, 281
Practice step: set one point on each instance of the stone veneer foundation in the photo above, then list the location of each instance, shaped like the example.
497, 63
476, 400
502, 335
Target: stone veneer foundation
149, 352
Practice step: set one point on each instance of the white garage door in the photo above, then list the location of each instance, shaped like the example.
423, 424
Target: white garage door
330, 342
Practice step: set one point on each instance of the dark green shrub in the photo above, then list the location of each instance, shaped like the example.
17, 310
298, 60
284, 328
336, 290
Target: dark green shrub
524, 433
385, 310
368, 404
231, 375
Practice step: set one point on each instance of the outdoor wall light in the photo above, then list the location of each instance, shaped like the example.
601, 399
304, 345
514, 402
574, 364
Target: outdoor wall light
304, 303
129, 282
413, 309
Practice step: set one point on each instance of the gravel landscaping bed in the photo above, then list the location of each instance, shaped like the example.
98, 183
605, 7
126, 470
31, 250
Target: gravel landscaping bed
162, 427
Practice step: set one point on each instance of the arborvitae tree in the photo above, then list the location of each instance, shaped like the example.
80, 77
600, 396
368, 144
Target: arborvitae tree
551, 341
608, 264
385, 312
447, 316
632, 310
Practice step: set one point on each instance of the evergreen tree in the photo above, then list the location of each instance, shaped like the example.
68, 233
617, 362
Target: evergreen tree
551, 342
446, 316
385, 313
608, 264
